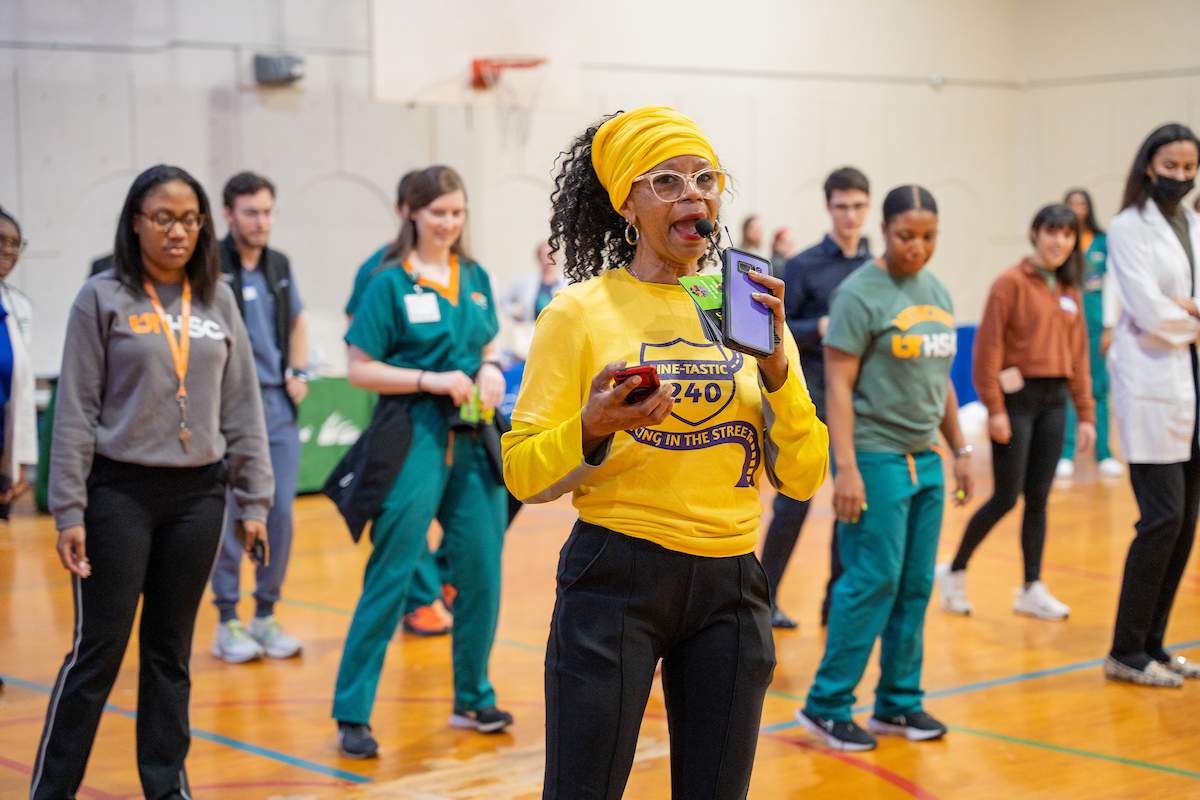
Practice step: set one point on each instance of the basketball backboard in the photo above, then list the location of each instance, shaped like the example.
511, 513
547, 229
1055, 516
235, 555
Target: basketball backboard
422, 50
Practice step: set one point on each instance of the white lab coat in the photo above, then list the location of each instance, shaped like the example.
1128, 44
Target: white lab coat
1150, 363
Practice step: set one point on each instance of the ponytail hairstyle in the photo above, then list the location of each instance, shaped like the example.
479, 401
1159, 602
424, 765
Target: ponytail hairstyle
1060, 217
422, 189
203, 268
584, 227
907, 198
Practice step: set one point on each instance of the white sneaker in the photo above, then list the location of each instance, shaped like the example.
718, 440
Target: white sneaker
1065, 468
269, 633
233, 645
1111, 468
1036, 601
952, 590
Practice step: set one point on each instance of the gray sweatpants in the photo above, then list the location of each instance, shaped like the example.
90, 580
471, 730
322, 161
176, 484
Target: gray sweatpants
284, 436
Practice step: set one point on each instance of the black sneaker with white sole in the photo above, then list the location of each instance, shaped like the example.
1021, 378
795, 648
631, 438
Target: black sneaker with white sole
355, 741
488, 719
916, 727
838, 734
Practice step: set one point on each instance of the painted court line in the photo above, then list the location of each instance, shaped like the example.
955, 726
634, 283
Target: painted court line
1076, 752
974, 687
217, 738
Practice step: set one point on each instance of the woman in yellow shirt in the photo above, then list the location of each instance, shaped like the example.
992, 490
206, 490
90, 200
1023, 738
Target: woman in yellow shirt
661, 563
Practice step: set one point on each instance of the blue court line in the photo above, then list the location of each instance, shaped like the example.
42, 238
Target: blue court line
975, 687
246, 747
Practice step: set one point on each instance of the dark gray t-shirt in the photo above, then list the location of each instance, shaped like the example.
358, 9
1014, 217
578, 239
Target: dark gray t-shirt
116, 395
260, 324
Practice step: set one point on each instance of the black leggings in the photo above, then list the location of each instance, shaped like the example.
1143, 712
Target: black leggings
152, 532
622, 604
1038, 416
780, 541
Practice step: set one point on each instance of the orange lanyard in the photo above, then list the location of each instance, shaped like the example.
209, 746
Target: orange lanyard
179, 347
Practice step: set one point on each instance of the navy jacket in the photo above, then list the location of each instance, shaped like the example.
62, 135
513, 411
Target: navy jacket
810, 279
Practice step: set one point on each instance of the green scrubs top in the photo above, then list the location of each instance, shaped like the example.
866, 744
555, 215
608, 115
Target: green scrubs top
411, 326
903, 330
367, 271
1095, 262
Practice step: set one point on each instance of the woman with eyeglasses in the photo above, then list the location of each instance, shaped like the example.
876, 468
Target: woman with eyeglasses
18, 430
1152, 252
661, 562
158, 408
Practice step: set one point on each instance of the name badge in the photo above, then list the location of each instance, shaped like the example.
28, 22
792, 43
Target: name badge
249, 293
422, 307
1067, 304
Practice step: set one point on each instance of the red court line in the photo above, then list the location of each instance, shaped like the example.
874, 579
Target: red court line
23, 720
1082, 573
899, 781
85, 791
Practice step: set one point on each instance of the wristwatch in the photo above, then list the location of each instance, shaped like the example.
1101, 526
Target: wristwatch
965, 450
301, 375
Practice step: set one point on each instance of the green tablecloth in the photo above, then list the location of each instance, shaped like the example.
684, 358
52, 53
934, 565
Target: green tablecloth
331, 418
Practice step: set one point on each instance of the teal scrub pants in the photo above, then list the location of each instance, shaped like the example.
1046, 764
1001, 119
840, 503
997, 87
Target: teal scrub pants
888, 556
432, 571
471, 507
1099, 368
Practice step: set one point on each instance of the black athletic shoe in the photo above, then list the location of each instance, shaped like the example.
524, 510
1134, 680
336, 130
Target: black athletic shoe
355, 741
782, 620
916, 727
839, 734
485, 720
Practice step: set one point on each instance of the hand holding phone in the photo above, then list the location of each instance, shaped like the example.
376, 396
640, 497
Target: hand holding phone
748, 325
259, 552
648, 386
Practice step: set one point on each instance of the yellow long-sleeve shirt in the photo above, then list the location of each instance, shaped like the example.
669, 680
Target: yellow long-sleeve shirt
689, 484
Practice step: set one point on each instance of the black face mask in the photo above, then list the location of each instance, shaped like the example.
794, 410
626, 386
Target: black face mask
1169, 191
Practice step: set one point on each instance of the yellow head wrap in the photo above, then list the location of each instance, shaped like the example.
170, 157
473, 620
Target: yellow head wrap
633, 143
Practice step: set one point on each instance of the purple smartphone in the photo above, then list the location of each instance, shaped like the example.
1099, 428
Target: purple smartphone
747, 324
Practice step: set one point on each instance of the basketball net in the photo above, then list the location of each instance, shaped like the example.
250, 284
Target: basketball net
514, 82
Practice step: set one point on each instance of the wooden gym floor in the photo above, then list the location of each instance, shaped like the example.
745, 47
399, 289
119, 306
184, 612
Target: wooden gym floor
1030, 714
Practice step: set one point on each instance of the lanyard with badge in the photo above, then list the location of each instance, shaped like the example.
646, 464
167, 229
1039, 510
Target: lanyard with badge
179, 348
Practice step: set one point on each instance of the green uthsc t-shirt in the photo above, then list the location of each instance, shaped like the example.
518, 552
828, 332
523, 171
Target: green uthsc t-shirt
369, 269
411, 333
903, 330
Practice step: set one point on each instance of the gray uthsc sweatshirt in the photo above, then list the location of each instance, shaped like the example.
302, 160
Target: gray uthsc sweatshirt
116, 395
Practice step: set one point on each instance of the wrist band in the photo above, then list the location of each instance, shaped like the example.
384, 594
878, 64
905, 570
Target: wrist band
420, 375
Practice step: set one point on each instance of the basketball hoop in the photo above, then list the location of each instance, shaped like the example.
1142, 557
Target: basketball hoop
514, 81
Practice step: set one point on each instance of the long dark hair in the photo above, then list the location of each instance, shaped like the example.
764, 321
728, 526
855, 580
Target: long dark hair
1060, 217
909, 197
203, 268
1137, 186
422, 189
1089, 221
584, 226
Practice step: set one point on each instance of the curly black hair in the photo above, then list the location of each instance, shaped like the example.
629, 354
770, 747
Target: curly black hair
584, 226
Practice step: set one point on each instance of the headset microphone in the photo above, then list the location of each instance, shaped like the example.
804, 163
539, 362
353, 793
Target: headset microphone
705, 228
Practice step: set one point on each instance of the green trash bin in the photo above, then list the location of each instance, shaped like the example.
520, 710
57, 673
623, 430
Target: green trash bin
331, 418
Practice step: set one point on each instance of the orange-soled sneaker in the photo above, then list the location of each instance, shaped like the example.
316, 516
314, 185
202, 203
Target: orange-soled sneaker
427, 621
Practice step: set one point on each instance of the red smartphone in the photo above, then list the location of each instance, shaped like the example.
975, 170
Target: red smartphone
649, 385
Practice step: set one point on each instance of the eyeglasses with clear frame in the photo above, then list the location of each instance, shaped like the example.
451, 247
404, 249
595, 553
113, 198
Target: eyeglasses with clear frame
164, 221
16, 245
669, 186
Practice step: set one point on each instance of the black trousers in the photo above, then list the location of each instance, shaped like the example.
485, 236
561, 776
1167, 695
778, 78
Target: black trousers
622, 604
1168, 498
1038, 416
780, 541
151, 533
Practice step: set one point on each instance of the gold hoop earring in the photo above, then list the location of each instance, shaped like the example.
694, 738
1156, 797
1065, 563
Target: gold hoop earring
636, 233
